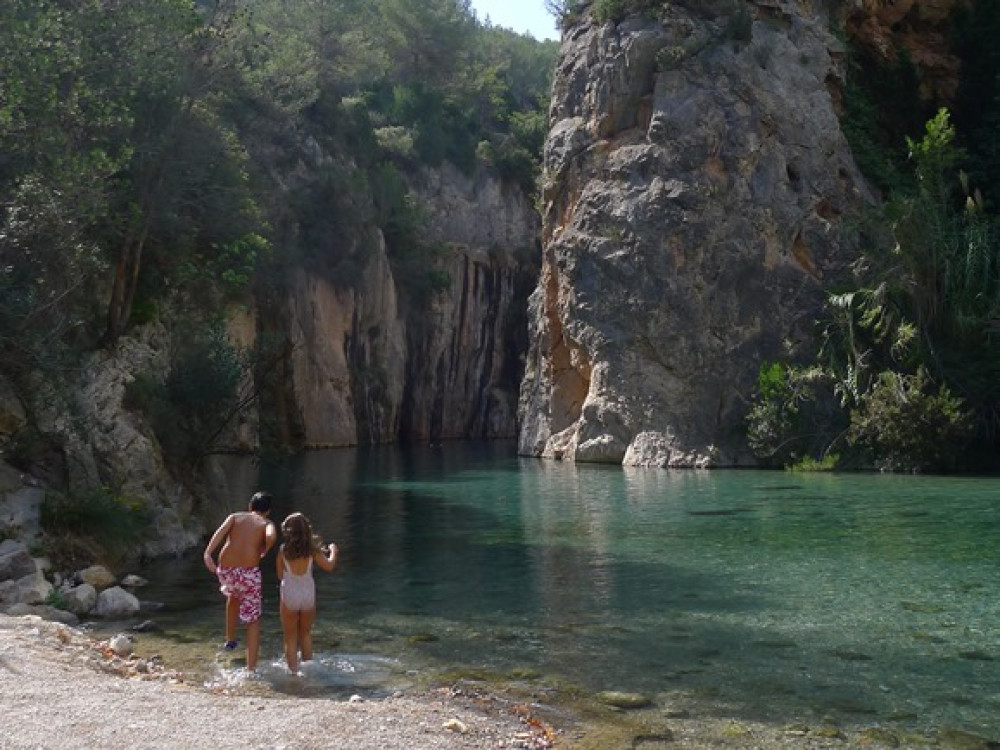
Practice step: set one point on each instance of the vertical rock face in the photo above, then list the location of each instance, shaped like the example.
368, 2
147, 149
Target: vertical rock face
462, 376
466, 352
365, 365
697, 200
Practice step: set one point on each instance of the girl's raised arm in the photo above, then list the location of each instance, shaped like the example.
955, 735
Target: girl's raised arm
327, 561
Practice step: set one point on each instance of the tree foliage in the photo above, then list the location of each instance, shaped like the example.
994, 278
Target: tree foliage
126, 130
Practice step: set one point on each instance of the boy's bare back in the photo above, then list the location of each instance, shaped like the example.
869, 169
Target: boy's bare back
247, 536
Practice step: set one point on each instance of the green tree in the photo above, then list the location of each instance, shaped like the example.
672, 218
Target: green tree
173, 102
427, 41
62, 140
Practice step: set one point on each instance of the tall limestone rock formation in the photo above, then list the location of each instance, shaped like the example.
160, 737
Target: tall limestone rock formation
699, 196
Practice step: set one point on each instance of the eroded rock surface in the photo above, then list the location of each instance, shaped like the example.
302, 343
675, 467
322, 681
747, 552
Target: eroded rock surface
699, 196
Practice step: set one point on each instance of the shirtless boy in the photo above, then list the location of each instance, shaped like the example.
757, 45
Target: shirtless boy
248, 536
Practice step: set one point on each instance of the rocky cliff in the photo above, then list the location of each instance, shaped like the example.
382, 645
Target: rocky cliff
367, 365
91, 441
699, 196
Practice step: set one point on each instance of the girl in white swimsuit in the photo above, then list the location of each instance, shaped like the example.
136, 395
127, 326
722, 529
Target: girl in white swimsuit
300, 550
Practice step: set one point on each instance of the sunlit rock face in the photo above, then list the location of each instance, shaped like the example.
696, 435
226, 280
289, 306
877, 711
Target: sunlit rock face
699, 196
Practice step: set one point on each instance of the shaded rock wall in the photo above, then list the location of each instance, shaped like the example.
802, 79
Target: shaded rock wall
698, 198
921, 28
95, 442
367, 365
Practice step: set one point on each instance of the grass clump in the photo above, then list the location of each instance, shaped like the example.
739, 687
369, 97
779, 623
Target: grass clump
810, 464
97, 526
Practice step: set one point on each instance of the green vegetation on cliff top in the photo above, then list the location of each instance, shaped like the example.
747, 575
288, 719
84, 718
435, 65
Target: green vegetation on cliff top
181, 156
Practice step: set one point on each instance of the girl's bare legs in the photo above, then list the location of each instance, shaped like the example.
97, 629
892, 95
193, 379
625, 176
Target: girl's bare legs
290, 632
306, 619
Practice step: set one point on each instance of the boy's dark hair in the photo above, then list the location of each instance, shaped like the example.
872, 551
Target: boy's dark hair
261, 502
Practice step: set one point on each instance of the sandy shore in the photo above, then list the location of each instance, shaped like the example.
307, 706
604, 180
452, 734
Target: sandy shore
60, 688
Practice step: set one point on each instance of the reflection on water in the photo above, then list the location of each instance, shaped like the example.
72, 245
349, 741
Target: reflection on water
863, 599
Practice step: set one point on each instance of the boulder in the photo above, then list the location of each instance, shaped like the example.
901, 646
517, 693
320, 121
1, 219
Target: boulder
134, 581
116, 602
30, 589
80, 599
123, 644
98, 576
15, 561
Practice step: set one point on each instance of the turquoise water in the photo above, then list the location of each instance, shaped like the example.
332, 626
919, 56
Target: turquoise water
861, 599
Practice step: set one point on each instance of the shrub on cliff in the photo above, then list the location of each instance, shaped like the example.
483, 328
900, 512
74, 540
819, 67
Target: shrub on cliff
199, 395
910, 349
792, 415
906, 423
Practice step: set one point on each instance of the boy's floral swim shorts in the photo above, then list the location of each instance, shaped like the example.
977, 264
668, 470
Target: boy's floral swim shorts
244, 584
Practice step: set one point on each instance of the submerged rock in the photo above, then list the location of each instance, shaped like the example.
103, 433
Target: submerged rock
619, 699
146, 626
958, 739
880, 736
849, 655
663, 738
828, 731
422, 638
976, 655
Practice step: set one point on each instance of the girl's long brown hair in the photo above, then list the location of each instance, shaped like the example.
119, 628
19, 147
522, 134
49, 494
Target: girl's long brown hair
299, 538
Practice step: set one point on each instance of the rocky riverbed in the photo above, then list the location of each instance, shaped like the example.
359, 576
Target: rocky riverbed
63, 688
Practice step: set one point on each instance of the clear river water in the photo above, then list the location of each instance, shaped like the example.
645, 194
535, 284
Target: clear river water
861, 599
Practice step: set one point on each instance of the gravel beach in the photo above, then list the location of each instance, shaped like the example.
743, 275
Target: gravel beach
61, 688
